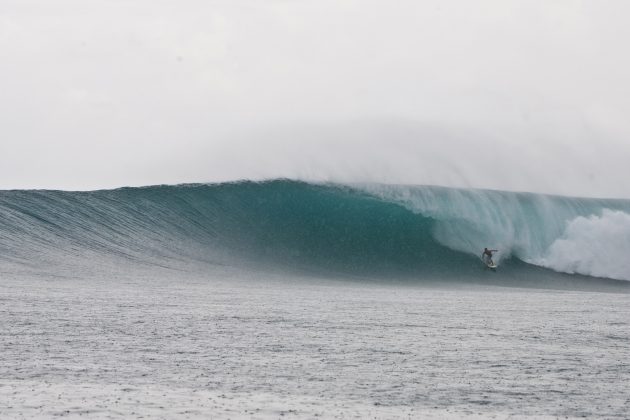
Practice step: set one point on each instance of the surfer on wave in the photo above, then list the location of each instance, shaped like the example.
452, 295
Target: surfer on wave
487, 255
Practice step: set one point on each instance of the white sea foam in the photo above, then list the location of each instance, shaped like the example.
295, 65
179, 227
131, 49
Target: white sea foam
597, 245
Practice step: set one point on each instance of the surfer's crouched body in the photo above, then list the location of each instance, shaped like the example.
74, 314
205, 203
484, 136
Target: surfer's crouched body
487, 255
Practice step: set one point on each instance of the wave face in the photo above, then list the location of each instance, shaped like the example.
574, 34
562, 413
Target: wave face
358, 230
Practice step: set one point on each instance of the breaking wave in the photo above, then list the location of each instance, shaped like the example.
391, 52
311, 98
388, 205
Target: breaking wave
358, 230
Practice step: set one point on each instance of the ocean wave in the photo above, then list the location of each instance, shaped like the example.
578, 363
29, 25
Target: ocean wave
365, 230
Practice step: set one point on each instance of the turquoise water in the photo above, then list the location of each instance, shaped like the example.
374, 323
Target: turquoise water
378, 231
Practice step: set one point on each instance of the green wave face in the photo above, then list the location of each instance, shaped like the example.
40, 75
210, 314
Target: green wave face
360, 230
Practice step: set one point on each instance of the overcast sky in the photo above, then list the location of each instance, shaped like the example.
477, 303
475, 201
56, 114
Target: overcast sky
518, 95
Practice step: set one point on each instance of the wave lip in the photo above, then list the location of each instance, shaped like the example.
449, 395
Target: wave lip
324, 229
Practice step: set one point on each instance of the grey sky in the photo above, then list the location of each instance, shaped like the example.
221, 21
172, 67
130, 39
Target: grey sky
520, 95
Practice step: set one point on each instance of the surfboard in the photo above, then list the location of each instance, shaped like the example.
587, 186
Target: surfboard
490, 265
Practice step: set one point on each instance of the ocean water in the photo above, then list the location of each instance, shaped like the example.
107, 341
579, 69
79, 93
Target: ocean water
287, 299
268, 348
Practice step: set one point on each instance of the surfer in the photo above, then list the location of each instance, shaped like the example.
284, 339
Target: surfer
487, 255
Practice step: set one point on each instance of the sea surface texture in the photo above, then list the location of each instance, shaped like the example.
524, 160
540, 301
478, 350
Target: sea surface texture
285, 299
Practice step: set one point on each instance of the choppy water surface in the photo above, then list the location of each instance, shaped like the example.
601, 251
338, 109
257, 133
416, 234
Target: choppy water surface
269, 348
